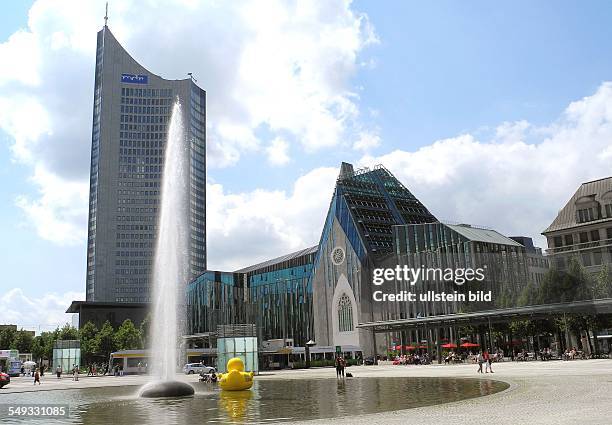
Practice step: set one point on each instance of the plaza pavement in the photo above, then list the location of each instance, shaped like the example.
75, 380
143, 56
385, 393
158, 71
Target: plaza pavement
554, 392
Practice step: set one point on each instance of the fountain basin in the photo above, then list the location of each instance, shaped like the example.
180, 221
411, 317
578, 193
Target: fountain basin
166, 389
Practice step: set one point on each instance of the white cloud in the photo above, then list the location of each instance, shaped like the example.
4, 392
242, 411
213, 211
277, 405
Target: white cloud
280, 66
367, 141
39, 312
246, 228
278, 152
506, 183
60, 213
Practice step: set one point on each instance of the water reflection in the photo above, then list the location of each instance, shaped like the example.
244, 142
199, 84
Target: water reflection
269, 400
235, 403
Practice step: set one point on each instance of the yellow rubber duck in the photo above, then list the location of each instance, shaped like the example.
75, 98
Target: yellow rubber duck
236, 379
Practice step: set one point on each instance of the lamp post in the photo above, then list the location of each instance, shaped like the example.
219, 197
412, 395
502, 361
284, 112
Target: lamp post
307, 352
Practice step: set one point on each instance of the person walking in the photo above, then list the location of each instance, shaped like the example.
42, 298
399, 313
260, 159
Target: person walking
75, 373
338, 367
488, 360
36, 377
58, 372
42, 370
479, 360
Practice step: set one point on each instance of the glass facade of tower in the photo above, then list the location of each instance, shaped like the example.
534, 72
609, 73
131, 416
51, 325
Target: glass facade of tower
131, 115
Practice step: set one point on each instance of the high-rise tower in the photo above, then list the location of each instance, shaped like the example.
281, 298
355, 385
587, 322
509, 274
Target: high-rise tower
131, 114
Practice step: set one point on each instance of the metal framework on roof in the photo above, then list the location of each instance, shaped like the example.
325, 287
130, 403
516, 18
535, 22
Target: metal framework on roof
377, 201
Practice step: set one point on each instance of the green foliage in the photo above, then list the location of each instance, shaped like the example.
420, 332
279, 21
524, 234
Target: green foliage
7, 336
105, 340
145, 329
89, 343
522, 328
528, 295
127, 336
22, 341
68, 332
602, 283
37, 348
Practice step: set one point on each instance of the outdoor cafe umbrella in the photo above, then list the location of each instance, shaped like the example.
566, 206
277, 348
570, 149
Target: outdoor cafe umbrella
422, 346
469, 345
410, 347
449, 345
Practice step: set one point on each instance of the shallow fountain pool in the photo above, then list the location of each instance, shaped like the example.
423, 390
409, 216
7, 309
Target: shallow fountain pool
268, 401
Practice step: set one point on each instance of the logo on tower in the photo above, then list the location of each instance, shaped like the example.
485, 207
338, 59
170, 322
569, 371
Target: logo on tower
134, 79
337, 256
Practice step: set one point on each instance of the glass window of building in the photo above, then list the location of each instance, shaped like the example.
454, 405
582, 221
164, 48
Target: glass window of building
586, 259
609, 232
595, 235
558, 242
345, 314
597, 258
584, 237
569, 239
608, 210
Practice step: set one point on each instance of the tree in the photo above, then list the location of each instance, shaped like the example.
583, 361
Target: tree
105, 340
38, 349
528, 295
145, 329
68, 332
602, 283
127, 336
7, 335
22, 341
89, 345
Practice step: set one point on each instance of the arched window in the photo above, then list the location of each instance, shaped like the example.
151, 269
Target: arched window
345, 314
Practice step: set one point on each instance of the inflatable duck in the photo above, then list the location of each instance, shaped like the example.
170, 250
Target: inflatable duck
236, 379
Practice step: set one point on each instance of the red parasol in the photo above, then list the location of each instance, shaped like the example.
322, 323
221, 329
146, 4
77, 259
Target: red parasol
410, 347
449, 345
469, 345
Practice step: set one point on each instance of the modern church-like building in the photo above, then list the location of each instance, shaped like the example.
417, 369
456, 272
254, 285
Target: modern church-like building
325, 292
131, 113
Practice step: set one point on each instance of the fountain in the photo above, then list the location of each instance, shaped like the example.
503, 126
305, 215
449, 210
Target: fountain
171, 265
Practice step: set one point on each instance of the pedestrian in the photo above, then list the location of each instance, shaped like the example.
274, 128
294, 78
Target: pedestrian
36, 377
338, 367
58, 371
75, 373
342, 366
139, 368
487, 359
22, 370
42, 370
480, 360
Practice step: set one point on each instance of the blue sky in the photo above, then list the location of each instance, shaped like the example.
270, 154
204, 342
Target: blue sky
482, 77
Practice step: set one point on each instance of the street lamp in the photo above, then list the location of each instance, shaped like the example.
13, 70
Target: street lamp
307, 352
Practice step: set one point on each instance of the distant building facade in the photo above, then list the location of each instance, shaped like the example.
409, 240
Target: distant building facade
537, 262
583, 228
131, 115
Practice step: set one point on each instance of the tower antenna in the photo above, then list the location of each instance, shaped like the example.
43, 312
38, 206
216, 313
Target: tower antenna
106, 15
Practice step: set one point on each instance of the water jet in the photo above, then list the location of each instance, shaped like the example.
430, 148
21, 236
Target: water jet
170, 265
